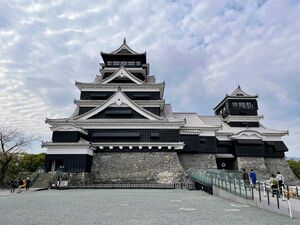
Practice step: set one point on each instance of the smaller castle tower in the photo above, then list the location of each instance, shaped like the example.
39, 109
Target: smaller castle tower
239, 109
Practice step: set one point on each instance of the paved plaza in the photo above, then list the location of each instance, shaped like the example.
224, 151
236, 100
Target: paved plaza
132, 207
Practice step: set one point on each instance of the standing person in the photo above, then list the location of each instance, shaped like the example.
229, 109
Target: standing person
245, 177
27, 183
280, 180
20, 183
253, 177
274, 184
12, 186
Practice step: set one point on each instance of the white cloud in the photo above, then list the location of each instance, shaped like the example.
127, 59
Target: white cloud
202, 49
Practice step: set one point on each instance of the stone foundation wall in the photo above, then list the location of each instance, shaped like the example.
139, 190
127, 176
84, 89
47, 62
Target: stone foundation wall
168, 167
82, 178
256, 163
277, 164
198, 161
264, 167
136, 167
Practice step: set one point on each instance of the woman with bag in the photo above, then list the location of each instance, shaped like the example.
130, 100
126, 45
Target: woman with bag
274, 184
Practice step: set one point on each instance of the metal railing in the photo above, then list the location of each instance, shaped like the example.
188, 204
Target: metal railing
231, 181
66, 185
35, 175
56, 179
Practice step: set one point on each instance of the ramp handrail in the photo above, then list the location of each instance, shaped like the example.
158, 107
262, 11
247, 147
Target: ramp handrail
230, 181
57, 176
38, 171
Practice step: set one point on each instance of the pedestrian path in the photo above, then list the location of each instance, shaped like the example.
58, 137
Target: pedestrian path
6, 192
132, 207
282, 204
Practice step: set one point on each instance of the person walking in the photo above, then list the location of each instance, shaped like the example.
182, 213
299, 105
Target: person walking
245, 177
12, 186
274, 184
27, 183
20, 183
280, 180
253, 177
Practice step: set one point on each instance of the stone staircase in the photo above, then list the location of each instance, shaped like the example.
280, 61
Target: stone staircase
42, 181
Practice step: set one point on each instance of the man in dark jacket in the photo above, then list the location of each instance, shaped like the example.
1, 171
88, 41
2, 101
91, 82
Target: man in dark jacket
27, 183
12, 186
245, 177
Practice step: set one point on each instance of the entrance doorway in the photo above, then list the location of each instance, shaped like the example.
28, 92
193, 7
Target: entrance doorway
226, 162
55, 164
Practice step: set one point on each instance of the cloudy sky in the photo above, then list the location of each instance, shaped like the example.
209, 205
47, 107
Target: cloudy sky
201, 49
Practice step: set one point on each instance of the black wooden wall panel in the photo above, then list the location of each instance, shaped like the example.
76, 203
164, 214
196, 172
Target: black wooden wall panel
95, 95
252, 150
65, 136
154, 110
118, 112
136, 95
225, 147
146, 135
200, 144
83, 110
244, 124
70, 162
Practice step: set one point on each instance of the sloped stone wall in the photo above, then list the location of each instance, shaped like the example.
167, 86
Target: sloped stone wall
264, 167
198, 161
276, 164
136, 167
82, 178
255, 163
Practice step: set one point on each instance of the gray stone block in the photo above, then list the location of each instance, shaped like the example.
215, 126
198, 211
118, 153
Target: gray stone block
136, 167
198, 161
256, 163
277, 164
264, 168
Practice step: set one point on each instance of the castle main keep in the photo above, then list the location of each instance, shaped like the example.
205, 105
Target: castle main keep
123, 131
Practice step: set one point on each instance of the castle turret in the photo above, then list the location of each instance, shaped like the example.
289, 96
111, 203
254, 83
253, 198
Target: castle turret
239, 109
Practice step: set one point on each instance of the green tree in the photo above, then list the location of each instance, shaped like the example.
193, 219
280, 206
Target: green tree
25, 162
295, 166
30, 162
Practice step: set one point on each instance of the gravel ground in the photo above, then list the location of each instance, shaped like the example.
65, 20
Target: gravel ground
132, 207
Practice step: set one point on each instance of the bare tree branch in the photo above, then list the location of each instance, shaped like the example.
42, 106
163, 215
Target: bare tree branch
12, 142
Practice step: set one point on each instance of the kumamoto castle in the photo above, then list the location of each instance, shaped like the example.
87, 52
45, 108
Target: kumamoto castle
122, 130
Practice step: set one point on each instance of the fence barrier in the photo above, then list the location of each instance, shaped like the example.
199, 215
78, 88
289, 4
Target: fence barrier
189, 186
231, 181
